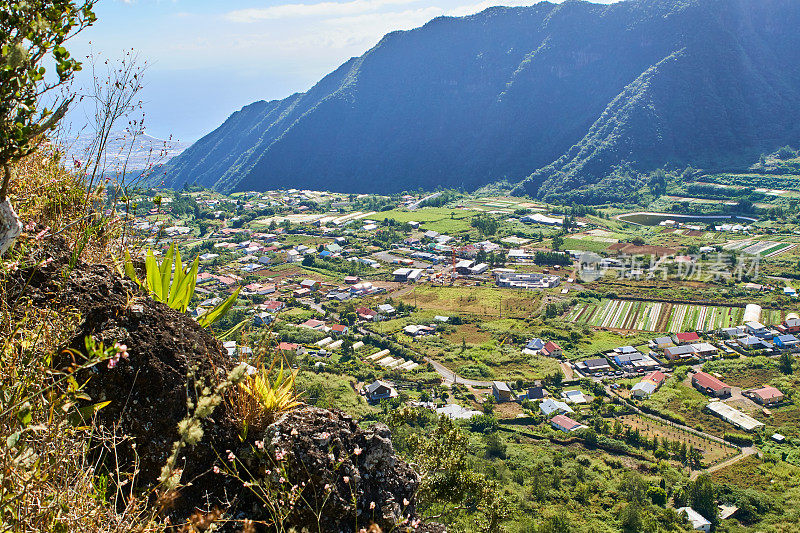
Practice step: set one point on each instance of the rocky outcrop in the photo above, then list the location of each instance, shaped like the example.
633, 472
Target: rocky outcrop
361, 477
346, 475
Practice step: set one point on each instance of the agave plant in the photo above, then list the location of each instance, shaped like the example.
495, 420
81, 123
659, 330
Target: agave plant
261, 400
174, 288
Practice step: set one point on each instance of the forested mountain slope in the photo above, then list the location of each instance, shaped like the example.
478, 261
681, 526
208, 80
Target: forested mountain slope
554, 96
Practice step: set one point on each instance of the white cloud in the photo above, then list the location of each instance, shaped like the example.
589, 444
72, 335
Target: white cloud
322, 9
471, 9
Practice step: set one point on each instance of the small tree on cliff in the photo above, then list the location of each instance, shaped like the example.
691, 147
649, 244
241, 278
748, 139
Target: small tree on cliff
32, 34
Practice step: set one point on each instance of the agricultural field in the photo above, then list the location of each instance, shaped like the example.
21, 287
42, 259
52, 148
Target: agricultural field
713, 451
762, 248
481, 300
658, 316
440, 219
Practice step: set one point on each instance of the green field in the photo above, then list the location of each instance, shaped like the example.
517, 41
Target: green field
440, 219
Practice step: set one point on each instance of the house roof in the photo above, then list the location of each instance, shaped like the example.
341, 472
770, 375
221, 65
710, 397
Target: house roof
288, 346
707, 381
501, 385
679, 350
647, 386
339, 327
535, 344
698, 521
376, 385
687, 336
766, 393
596, 363
552, 346
550, 406
565, 422
656, 377
702, 347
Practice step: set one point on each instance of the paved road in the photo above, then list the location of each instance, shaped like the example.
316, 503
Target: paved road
416, 204
745, 453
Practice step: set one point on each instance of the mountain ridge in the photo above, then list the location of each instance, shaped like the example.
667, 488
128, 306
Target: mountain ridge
548, 96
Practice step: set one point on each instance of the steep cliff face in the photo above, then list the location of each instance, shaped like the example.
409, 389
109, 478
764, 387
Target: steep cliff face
570, 90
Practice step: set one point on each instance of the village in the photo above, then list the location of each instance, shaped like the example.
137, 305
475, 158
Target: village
550, 321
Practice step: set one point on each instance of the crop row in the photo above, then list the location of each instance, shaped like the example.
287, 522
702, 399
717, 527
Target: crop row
657, 316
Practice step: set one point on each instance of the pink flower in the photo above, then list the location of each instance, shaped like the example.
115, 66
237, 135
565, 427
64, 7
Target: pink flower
280, 454
231, 456
259, 444
405, 502
113, 361
372, 505
357, 451
216, 469
327, 487
123, 350
346, 479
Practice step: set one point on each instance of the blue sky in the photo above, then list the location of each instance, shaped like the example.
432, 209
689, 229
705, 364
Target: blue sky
208, 58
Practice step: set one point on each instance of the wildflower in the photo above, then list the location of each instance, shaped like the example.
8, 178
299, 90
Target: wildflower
280, 454
357, 451
405, 502
216, 469
327, 487
415, 523
122, 349
282, 480
372, 505
259, 444
362, 530
231, 456
346, 479
113, 361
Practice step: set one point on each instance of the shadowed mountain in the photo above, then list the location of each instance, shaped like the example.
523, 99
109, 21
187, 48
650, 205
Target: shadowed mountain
554, 96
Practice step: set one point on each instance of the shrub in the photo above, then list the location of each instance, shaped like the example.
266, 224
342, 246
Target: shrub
738, 438
259, 400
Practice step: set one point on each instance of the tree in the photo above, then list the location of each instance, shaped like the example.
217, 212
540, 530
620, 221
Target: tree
785, 364
32, 35
631, 519
703, 499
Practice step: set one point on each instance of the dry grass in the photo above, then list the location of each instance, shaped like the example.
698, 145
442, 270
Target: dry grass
48, 479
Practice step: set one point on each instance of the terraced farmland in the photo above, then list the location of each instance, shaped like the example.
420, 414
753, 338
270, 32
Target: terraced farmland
658, 316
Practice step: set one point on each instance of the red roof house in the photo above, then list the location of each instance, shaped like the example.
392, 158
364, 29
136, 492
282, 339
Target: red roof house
708, 384
341, 329
686, 337
656, 377
552, 349
765, 395
565, 423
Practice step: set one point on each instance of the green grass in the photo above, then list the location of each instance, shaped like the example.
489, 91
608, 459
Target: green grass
433, 218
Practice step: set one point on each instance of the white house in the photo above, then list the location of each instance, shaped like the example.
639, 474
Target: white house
698, 521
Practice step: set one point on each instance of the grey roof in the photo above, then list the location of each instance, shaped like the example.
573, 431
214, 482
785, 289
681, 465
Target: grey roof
375, 385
